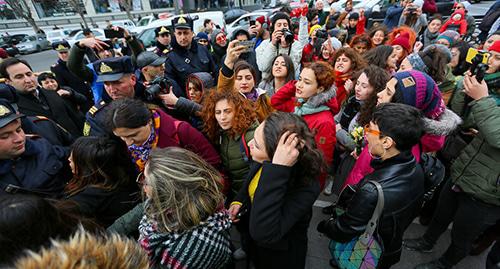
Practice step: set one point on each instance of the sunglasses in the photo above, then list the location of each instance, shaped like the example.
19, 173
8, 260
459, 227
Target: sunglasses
367, 130
221, 38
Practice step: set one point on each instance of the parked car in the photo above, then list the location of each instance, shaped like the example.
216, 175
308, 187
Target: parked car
376, 9
79, 36
10, 49
32, 44
244, 21
147, 36
58, 35
233, 14
14, 39
127, 24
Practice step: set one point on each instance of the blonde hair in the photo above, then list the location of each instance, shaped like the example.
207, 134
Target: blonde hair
87, 251
185, 189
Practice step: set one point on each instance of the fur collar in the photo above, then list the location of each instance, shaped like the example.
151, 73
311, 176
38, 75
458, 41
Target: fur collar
444, 125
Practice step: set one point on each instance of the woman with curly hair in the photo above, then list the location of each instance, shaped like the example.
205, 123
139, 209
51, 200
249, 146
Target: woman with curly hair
313, 98
378, 35
143, 130
361, 43
384, 57
347, 62
356, 112
103, 185
185, 224
274, 206
230, 122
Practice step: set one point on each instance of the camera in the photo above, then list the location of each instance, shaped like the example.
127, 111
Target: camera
321, 34
478, 61
412, 10
289, 36
160, 85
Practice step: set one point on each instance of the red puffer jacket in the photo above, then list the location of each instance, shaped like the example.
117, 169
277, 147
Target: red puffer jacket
322, 123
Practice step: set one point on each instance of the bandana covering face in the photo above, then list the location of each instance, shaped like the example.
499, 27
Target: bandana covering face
140, 154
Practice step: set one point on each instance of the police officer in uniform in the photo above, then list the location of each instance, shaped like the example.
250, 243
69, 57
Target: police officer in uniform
29, 165
119, 80
65, 78
186, 56
163, 40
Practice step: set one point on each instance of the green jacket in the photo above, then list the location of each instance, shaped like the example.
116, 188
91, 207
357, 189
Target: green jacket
476, 170
233, 158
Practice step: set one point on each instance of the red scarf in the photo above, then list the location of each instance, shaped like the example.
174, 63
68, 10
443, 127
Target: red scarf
340, 79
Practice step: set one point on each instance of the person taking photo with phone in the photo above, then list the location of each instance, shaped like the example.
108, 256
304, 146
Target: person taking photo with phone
282, 41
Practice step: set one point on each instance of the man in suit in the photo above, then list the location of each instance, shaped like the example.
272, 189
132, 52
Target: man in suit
36, 101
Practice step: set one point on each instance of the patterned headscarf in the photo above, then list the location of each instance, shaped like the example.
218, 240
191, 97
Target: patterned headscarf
140, 154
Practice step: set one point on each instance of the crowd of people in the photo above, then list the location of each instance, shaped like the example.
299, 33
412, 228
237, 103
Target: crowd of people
150, 158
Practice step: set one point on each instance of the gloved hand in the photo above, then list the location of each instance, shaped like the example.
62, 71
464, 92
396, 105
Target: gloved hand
324, 225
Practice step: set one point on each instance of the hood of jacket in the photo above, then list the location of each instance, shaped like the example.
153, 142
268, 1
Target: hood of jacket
206, 80
460, 12
444, 125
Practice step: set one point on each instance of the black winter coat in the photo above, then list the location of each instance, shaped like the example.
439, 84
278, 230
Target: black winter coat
182, 62
278, 218
54, 107
402, 181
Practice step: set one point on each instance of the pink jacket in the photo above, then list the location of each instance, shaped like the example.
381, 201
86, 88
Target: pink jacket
362, 166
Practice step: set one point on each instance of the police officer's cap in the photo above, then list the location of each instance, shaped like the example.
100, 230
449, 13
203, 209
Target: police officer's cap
61, 46
149, 58
7, 113
113, 69
162, 30
183, 22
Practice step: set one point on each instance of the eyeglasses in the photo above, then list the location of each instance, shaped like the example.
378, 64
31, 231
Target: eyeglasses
367, 130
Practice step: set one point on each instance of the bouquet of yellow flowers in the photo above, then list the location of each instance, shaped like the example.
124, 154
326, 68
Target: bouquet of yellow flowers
357, 135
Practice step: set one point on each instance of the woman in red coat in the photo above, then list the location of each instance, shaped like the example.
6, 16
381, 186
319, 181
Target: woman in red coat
313, 98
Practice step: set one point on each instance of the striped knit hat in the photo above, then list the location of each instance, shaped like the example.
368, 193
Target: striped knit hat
419, 90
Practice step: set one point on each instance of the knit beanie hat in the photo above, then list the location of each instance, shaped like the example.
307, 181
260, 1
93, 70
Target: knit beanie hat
280, 16
441, 48
262, 20
314, 28
3, 54
354, 16
202, 35
335, 42
450, 35
420, 91
417, 63
495, 47
403, 40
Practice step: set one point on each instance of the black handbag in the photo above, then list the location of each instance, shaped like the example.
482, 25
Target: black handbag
434, 173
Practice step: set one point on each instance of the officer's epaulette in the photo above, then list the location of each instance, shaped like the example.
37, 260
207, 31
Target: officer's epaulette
97, 107
40, 118
54, 65
166, 51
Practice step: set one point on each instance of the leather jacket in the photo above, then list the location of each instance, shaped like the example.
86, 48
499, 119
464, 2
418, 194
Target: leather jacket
402, 181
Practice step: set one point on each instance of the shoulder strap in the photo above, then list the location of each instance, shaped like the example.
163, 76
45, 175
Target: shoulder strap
372, 224
244, 148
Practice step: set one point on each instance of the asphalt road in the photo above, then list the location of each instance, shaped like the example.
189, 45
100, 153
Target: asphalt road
40, 61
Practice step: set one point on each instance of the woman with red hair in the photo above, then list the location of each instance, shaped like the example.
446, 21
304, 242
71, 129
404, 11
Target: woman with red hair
313, 98
229, 123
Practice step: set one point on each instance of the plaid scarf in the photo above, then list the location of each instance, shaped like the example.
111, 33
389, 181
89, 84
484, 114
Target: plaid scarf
140, 154
204, 246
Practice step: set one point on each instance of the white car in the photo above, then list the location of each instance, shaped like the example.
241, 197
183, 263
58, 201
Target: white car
244, 21
126, 24
147, 36
79, 36
58, 35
